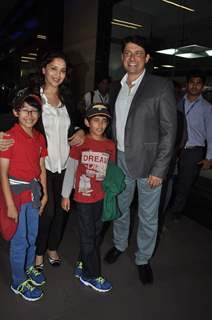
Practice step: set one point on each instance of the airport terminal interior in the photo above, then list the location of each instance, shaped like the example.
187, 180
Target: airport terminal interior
90, 33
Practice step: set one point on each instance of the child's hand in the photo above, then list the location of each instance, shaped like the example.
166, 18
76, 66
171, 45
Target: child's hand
12, 212
65, 204
43, 204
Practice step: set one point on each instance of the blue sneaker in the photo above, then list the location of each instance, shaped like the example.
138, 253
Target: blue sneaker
36, 277
27, 291
78, 269
99, 284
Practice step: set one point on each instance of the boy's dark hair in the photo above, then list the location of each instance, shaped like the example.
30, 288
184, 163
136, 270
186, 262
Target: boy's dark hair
136, 39
26, 96
196, 74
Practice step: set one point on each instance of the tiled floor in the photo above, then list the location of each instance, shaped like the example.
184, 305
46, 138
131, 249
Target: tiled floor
182, 290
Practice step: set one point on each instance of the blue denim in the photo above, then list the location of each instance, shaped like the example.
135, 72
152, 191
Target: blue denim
22, 244
148, 203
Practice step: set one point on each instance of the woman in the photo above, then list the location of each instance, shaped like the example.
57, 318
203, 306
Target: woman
57, 124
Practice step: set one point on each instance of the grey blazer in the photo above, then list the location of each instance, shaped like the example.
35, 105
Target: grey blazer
150, 128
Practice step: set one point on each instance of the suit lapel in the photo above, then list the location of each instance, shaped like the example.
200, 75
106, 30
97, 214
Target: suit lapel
114, 91
138, 95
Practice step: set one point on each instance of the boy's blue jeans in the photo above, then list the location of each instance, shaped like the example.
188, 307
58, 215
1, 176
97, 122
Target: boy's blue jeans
90, 225
22, 245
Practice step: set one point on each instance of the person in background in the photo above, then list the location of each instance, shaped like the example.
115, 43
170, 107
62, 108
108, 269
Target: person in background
101, 94
195, 154
208, 96
89, 162
21, 167
144, 125
167, 186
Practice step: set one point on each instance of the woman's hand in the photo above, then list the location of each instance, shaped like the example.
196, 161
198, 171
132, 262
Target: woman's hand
5, 144
43, 202
65, 204
77, 138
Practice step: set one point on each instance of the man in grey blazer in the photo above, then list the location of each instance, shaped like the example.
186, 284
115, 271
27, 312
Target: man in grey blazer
144, 125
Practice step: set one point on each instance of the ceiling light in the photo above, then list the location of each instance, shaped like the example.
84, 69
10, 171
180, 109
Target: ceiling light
28, 58
155, 67
209, 52
22, 60
128, 23
190, 52
32, 54
41, 36
123, 25
167, 51
189, 55
179, 5
167, 66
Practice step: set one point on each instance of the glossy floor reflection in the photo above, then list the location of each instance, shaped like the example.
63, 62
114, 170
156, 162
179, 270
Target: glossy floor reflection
182, 268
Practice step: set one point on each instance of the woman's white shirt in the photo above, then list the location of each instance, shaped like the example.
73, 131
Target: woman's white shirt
56, 123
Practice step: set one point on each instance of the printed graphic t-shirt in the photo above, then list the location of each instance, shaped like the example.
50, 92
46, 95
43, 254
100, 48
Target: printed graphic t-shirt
93, 157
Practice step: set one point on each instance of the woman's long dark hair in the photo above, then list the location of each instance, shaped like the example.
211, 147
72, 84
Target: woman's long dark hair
64, 88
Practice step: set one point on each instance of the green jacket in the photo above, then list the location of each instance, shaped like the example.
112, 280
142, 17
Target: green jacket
113, 184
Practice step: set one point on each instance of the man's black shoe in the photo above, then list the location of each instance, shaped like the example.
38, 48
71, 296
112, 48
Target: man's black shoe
145, 273
112, 255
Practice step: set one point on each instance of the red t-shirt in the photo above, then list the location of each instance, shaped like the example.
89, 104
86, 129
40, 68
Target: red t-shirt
25, 156
93, 156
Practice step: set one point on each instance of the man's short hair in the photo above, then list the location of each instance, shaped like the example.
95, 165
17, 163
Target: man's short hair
196, 74
100, 78
136, 39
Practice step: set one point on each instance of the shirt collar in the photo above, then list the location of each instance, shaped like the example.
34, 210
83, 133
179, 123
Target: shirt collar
135, 82
45, 101
199, 98
24, 133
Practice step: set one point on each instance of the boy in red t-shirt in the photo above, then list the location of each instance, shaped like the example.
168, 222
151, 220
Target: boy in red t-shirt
87, 166
21, 169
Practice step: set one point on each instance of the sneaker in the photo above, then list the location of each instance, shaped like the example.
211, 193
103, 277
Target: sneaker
36, 277
39, 267
99, 284
27, 291
78, 269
